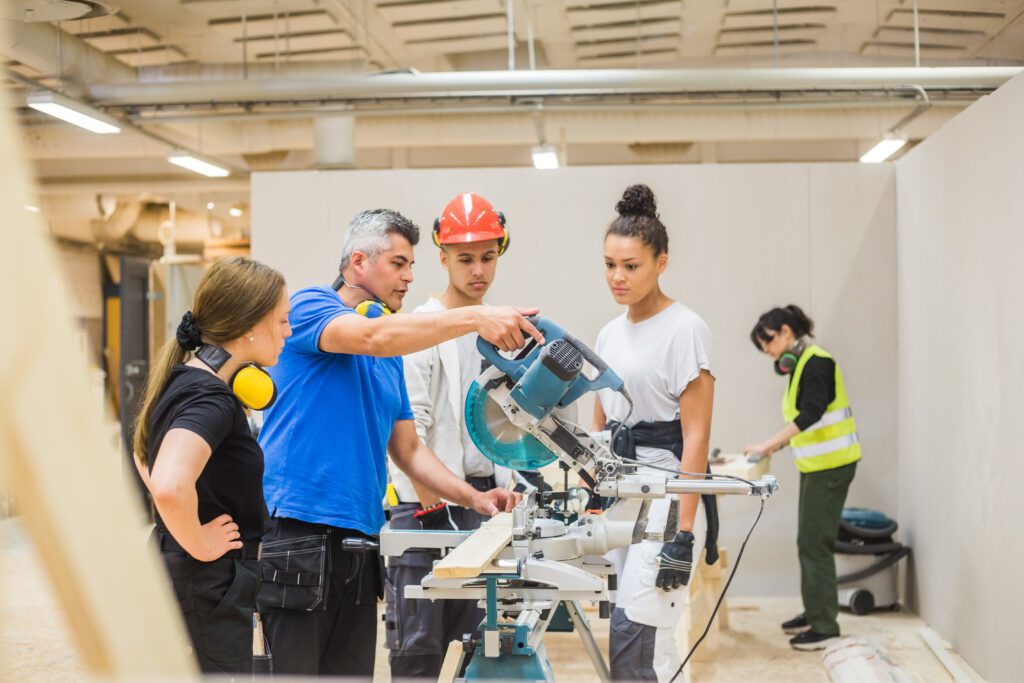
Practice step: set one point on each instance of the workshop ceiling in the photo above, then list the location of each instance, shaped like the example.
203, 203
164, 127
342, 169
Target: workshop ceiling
441, 35
158, 41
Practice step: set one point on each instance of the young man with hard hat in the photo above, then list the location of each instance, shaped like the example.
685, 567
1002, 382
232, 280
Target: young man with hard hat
471, 236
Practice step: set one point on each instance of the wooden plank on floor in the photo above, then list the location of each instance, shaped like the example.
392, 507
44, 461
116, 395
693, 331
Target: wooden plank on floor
473, 555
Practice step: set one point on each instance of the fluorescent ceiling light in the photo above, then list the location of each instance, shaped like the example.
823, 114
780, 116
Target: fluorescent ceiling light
201, 166
33, 209
545, 157
74, 112
885, 148
235, 211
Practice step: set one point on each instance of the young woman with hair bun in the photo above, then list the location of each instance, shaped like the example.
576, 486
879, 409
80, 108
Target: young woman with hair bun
662, 351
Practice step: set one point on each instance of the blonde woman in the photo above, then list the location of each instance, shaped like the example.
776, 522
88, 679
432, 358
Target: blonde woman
199, 460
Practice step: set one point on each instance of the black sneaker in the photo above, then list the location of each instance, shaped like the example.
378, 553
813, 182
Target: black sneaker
809, 640
797, 624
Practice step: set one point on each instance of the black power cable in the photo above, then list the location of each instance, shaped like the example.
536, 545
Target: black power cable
714, 612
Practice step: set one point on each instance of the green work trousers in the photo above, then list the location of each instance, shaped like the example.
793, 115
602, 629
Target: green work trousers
822, 496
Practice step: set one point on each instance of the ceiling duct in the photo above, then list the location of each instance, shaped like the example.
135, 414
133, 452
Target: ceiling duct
54, 52
31, 11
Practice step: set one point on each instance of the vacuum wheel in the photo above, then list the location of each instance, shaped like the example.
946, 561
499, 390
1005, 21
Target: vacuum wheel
862, 602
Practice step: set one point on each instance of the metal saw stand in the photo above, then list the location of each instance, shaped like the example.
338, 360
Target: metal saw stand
546, 562
519, 646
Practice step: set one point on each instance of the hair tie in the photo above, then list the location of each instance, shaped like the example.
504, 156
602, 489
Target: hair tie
189, 337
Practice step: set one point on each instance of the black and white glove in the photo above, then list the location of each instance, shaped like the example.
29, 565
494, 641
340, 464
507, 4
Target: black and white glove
675, 562
436, 518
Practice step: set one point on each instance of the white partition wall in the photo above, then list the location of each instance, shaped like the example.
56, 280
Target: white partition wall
743, 238
961, 330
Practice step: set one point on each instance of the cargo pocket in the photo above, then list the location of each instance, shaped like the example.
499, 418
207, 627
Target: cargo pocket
227, 630
294, 572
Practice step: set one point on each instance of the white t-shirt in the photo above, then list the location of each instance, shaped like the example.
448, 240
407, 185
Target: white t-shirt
470, 363
656, 358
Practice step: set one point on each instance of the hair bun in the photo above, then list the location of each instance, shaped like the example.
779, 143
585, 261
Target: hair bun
188, 335
637, 200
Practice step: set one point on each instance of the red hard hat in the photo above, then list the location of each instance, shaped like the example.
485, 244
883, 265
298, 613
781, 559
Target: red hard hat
470, 218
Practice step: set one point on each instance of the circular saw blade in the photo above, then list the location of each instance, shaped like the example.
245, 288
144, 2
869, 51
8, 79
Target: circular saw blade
498, 438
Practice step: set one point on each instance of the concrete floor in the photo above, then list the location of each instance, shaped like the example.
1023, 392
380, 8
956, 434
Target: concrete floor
35, 644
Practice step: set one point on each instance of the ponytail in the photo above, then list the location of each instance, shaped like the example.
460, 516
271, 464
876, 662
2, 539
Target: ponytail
170, 355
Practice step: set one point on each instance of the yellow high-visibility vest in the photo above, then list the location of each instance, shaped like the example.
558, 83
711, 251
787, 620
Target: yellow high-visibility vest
831, 441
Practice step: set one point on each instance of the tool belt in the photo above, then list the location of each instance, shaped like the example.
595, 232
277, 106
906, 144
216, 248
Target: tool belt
666, 435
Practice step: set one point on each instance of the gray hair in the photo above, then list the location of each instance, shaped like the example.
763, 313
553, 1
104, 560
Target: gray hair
370, 231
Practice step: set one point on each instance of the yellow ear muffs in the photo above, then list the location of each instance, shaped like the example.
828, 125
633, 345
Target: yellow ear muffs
503, 242
372, 308
254, 387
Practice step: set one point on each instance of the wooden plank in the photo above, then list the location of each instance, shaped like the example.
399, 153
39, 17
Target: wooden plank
452, 663
957, 668
84, 520
473, 555
738, 465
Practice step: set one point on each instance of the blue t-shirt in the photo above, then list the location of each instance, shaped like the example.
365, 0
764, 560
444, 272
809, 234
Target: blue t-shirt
325, 438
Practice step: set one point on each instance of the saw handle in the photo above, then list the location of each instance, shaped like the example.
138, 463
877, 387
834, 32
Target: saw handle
515, 367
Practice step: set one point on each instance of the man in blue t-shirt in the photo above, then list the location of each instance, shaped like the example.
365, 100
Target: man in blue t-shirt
342, 407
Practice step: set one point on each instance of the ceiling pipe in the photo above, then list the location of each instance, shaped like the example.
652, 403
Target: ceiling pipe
120, 185
545, 83
926, 104
154, 118
54, 52
170, 73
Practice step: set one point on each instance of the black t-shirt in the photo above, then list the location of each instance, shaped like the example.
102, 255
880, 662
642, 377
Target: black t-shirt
232, 481
816, 391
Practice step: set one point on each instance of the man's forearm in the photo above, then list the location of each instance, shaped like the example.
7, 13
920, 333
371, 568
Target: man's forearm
427, 497
399, 335
429, 475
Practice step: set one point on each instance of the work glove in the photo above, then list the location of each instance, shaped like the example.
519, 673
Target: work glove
675, 562
435, 518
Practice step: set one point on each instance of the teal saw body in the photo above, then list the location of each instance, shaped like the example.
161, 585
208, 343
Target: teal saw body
542, 382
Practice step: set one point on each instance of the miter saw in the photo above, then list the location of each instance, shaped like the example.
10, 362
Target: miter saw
520, 413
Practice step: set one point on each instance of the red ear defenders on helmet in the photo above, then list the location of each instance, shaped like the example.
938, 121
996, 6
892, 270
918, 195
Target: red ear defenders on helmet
469, 217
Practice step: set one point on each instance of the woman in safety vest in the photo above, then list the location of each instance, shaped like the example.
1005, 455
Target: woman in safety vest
822, 435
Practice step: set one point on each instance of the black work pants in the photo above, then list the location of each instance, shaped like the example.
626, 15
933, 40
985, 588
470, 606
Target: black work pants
217, 600
320, 616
